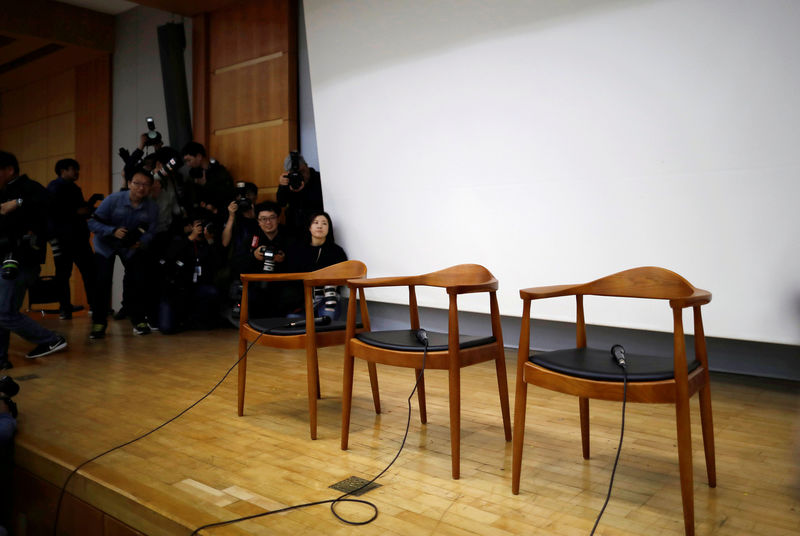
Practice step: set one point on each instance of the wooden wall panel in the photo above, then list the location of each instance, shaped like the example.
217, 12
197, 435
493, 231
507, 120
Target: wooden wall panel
253, 94
250, 30
246, 64
61, 134
93, 125
61, 93
256, 154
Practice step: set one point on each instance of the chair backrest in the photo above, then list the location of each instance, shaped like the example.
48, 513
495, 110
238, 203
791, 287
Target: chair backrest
645, 282
336, 274
460, 276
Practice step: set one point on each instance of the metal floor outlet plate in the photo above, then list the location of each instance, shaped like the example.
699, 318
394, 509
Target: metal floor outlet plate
348, 485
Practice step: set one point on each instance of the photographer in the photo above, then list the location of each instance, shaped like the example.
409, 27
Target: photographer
23, 204
189, 298
299, 188
70, 232
124, 225
240, 228
268, 255
211, 181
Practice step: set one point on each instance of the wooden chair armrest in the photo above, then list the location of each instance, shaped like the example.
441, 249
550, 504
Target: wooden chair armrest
552, 291
383, 282
295, 276
698, 297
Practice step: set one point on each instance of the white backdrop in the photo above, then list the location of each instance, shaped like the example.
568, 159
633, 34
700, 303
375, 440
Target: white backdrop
556, 142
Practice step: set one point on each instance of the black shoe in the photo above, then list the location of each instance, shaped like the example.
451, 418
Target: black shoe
141, 329
5, 364
121, 314
48, 348
98, 331
65, 315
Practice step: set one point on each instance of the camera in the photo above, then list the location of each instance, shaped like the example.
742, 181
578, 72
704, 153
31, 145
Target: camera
269, 258
242, 201
9, 388
294, 176
9, 270
153, 136
166, 170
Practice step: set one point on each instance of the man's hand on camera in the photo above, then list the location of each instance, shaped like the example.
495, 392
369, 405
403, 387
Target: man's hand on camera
258, 255
283, 179
142, 141
232, 208
280, 256
8, 206
120, 232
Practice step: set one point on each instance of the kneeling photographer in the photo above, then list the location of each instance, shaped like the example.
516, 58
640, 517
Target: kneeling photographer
23, 225
189, 298
124, 225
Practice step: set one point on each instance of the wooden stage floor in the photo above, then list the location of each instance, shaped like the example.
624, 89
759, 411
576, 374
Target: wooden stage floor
211, 465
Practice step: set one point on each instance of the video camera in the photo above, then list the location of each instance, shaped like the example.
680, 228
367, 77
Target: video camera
8, 389
294, 176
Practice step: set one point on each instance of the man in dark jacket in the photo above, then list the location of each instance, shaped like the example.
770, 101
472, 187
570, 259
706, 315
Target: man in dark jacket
70, 233
23, 229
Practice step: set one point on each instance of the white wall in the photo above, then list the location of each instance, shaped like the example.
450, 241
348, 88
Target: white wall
556, 142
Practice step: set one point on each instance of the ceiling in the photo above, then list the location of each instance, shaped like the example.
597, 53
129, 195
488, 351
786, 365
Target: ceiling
42, 37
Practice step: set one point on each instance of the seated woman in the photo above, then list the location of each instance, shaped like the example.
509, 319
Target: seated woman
318, 250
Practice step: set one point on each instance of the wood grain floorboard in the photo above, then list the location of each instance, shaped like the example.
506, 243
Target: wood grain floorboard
210, 465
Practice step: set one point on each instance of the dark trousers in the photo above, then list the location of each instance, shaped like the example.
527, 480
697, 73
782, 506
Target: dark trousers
135, 290
79, 253
12, 293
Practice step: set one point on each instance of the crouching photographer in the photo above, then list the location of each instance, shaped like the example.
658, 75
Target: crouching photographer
189, 298
124, 225
23, 225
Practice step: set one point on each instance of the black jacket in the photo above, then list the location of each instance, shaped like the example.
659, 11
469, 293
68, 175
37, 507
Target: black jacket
24, 230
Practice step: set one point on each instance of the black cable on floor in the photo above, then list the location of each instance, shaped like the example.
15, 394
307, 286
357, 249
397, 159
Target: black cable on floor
619, 448
160, 426
423, 337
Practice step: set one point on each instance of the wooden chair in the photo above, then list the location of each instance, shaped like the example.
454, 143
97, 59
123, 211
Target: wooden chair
591, 373
448, 351
277, 333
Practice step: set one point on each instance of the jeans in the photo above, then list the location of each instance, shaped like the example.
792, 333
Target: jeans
135, 287
12, 293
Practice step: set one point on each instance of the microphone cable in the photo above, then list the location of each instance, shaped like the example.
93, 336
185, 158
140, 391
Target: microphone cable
160, 426
619, 358
422, 337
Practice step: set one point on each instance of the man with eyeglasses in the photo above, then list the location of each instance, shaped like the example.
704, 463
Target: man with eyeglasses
123, 225
268, 255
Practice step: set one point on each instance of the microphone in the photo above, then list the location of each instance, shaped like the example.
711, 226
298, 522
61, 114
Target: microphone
318, 321
422, 336
618, 355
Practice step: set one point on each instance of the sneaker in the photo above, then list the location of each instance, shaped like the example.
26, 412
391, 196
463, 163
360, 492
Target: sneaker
141, 329
153, 327
65, 315
98, 331
48, 348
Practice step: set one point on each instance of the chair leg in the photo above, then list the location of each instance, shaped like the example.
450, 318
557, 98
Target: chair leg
502, 386
347, 397
520, 405
684, 432
312, 367
423, 409
707, 423
455, 421
583, 405
373, 382
242, 369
